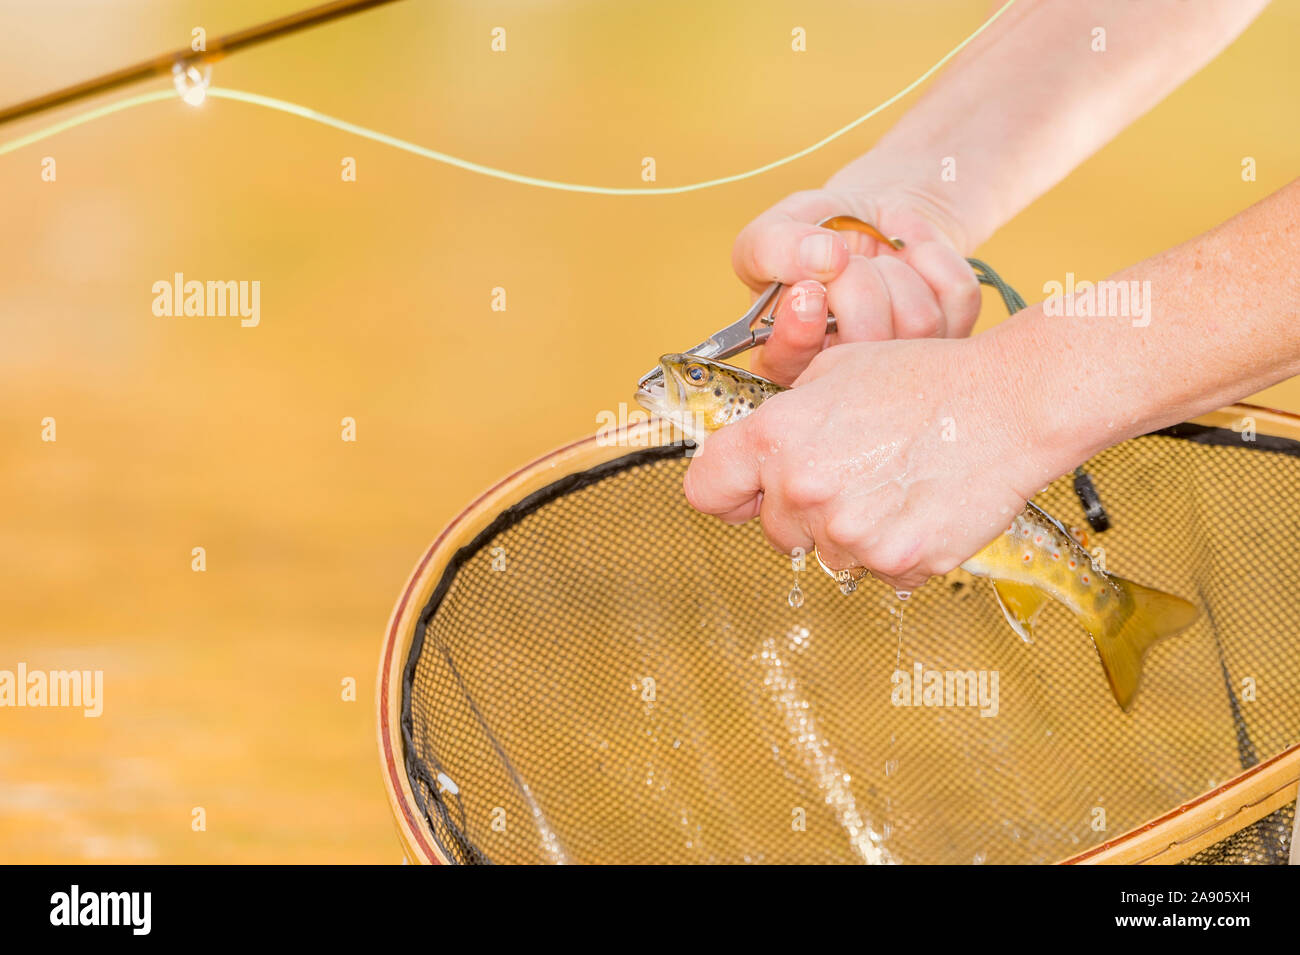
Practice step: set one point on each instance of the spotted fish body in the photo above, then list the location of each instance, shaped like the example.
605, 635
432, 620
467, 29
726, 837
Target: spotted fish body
1037, 552
1035, 560
702, 396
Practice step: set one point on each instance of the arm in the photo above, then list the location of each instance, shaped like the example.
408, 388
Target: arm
1224, 323
1030, 100
1022, 106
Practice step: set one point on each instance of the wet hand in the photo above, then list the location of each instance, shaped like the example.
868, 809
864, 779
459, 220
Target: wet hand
926, 289
904, 457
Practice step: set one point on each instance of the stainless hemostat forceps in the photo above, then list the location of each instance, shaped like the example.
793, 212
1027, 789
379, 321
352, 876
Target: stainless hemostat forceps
742, 334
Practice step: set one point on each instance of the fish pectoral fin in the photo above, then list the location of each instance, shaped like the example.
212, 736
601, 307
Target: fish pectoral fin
1122, 640
1021, 604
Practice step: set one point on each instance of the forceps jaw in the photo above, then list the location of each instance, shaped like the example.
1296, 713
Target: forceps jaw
732, 339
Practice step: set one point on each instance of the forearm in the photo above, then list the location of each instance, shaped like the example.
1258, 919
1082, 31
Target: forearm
1219, 320
1030, 99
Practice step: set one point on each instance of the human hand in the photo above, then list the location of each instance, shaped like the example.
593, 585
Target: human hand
925, 289
904, 457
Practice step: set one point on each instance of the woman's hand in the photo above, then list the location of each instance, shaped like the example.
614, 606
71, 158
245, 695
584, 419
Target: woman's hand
926, 289
904, 457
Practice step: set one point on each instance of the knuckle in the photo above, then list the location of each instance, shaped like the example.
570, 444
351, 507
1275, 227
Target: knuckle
741, 515
821, 362
939, 566
772, 423
806, 489
890, 565
783, 414
847, 531
748, 254
751, 258
923, 323
968, 297
751, 435
897, 563
803, 199
775, 530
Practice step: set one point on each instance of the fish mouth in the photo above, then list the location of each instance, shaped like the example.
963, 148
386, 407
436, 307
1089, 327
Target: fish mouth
661, 393
652, 395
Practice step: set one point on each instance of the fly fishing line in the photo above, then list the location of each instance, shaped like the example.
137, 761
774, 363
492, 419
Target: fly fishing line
354, 129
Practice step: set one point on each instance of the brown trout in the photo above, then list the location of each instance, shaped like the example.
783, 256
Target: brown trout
1034, 560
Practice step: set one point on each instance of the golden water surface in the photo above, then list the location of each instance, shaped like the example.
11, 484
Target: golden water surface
223, 689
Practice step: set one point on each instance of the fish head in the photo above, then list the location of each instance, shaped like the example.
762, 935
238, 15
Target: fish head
700, 395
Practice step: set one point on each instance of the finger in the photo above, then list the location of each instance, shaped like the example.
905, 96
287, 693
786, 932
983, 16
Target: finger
904, 584
777, 248
798, 334
953, 283
915, 308
860, 301
783, 528
893, 558
723, 478
745, 513
833, 557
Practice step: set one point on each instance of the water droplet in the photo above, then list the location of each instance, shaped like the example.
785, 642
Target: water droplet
191, 84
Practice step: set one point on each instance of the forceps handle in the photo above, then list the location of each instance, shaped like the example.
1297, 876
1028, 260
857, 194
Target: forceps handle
764, 332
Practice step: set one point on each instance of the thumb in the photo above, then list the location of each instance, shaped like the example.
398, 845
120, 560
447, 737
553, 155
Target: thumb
723, 478
798, 335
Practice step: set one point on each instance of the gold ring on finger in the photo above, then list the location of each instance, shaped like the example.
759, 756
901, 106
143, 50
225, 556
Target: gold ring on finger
847, 579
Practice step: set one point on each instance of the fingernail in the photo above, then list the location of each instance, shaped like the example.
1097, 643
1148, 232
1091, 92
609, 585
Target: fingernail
809, 302
816, 252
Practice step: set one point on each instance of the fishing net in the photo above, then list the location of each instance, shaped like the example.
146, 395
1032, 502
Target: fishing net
1261, 843
584, 669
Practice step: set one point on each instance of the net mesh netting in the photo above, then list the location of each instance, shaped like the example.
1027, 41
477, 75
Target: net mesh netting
604, 675
1265, 842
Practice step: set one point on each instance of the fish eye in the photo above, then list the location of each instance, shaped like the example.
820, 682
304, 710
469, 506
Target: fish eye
697, 373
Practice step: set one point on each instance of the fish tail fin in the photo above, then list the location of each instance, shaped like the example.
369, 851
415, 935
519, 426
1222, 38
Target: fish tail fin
1123, 639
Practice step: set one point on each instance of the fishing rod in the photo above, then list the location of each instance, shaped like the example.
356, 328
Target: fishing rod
178, 61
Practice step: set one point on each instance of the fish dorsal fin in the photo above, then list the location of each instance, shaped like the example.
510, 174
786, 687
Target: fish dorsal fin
1021, 603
